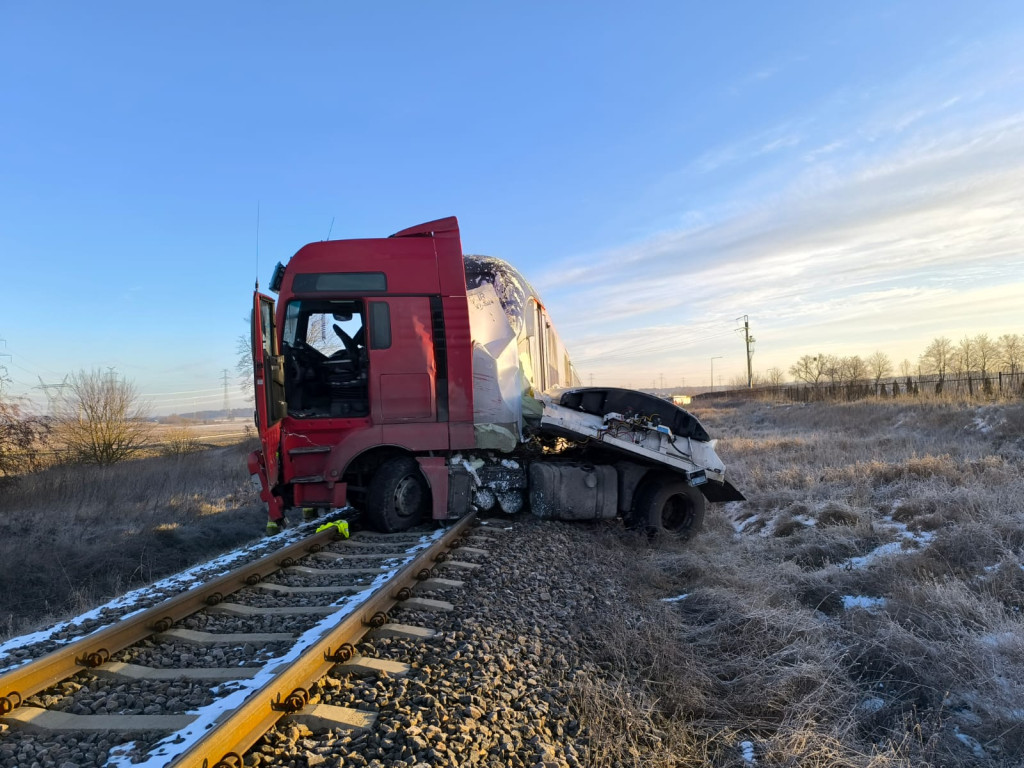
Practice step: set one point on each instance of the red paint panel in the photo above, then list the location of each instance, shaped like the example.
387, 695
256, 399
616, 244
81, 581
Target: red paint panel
410, 264
417, 436
406, 370
406, 397
435, 469
334, 494
460, 359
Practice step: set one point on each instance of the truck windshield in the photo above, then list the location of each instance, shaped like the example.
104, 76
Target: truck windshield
325, 358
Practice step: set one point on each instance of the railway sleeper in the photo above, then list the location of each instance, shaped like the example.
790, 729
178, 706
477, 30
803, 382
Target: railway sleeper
305, 570
38, 720
285, 589
327, 717
406, 631
236, 609
461, 565
197, 637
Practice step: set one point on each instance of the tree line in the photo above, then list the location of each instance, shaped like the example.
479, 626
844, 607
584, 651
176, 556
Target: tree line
973, 359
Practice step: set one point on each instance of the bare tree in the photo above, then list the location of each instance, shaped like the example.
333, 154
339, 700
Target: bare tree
100, 419
809, 368
853, 369
775, 376
1011, 351
880, 366
937, 358
905, 368
22, 435
964, 360
832, 367
986, 353
243, 363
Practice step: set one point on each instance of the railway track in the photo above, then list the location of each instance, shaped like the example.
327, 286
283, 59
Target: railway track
198, 679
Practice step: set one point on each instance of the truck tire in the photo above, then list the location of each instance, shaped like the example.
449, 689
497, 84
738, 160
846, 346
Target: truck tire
398, 496
670, 506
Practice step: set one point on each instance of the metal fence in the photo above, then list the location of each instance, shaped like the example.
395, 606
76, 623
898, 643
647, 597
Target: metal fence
999, 384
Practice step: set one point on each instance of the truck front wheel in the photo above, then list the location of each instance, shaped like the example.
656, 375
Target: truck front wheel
398, 496
669, 506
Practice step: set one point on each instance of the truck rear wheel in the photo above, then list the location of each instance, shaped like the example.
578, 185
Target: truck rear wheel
398, 496
669, 506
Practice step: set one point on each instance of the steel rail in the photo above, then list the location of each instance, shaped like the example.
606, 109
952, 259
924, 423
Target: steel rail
224, 745
96, 648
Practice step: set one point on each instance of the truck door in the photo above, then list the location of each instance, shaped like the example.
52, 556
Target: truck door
403, 366
268, 369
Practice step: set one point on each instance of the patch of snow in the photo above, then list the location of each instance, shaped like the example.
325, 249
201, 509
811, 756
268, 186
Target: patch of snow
741, 525
856, 563
806, 520
997, 639
144, 597
119, 751
510, 464
747, 750
917, 538
861, 601
675, 599
238, 691
872, 704
971, 743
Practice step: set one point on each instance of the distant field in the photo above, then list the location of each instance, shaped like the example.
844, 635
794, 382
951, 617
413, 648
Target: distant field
220, 432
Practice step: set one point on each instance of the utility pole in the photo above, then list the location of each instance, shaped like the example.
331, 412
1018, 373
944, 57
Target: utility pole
3, 371
227, 403
51, 399
716, 357
750, 352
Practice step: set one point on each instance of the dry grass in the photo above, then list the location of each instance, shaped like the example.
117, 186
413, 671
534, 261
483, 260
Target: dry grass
72, 536
862, 608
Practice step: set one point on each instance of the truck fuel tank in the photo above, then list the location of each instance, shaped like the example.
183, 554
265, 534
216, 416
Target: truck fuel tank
566, 491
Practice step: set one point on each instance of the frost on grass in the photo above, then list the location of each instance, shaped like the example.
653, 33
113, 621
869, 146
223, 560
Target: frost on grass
868, 597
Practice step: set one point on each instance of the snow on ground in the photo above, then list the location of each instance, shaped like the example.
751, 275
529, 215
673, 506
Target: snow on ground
973, 744
237, 692
908, 540
747, 750
140, 599
675, 599
860, 601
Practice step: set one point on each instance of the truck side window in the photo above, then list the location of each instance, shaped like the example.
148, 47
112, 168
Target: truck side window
380, 325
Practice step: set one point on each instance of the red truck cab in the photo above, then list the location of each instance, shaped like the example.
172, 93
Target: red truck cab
363, 368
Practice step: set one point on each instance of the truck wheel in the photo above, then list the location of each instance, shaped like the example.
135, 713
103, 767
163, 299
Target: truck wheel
669, 506
398, 495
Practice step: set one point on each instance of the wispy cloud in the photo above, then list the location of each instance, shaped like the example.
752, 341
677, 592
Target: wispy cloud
921, 240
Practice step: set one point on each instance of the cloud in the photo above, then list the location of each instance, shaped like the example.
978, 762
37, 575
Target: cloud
920, 241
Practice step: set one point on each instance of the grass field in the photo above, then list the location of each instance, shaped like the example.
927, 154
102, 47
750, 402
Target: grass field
72, 536
861, 608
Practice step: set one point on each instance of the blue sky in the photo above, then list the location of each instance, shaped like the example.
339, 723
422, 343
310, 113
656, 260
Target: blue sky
848, 176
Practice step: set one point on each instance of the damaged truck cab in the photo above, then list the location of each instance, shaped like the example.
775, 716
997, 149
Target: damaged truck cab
405, 379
